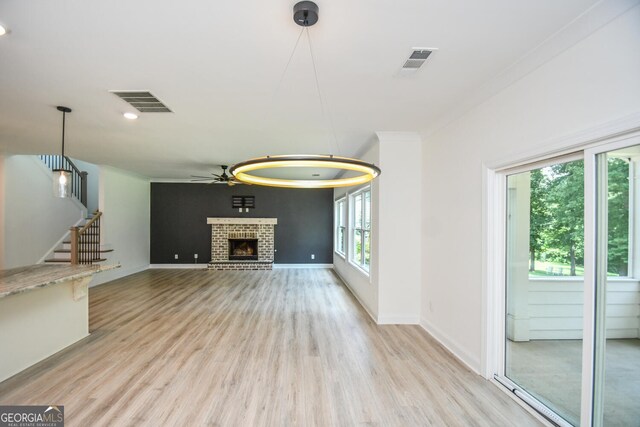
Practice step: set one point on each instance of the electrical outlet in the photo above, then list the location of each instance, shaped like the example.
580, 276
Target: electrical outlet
175, 256
195, 256
313, 256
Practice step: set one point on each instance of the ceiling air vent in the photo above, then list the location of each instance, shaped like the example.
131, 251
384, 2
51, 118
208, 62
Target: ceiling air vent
143, 101
418, 57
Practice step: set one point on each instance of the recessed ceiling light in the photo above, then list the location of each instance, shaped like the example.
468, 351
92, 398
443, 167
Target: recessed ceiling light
3, 30
130, 116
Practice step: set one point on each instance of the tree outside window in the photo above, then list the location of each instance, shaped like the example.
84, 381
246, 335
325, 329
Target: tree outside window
556, 233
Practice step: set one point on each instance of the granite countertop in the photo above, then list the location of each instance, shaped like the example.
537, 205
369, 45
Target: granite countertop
24, 279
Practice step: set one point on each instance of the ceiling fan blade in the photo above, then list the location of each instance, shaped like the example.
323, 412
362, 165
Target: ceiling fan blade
200, 176
201, 180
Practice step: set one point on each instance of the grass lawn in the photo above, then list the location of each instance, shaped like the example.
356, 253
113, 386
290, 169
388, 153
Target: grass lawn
543, 266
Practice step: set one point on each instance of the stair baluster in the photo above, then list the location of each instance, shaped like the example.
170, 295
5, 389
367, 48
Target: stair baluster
85, 241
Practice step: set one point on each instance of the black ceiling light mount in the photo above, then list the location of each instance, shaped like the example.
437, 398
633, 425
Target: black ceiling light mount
305, 13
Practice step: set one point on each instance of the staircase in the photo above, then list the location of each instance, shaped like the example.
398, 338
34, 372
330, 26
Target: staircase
83, 245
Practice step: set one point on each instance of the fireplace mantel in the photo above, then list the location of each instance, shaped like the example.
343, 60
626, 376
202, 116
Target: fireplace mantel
242, 221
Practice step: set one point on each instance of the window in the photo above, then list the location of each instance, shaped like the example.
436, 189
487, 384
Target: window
339, 221
361, 231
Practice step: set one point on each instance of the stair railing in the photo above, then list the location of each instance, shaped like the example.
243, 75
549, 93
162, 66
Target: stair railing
78, 177
85, 241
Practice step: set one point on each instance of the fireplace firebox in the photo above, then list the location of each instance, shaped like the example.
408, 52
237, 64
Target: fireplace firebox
243, 249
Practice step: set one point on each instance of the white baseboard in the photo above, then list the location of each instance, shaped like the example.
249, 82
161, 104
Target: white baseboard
362, 304
398, 320
472, 362
302, 265
192, 266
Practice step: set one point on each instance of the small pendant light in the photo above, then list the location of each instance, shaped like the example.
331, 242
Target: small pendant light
62, 176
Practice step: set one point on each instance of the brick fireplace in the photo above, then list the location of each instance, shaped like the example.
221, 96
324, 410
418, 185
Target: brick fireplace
234, 242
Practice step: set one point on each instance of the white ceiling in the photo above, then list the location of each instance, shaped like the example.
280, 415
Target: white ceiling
217, 65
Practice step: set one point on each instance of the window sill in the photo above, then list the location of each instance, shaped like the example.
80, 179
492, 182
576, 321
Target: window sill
340, 254
359, 269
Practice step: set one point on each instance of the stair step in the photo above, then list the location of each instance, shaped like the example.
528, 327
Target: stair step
68, 250
67, 261
66, 246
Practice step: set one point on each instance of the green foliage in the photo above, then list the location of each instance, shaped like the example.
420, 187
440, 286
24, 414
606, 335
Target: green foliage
618, 225
557, 215
565, 200
539, 215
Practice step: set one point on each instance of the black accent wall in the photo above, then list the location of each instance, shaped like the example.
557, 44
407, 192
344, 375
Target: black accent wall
179, 220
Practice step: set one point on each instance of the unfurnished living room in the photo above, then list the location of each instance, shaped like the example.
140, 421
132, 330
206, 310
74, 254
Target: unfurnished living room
320, 213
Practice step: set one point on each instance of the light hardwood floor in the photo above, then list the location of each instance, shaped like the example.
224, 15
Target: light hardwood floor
263, 348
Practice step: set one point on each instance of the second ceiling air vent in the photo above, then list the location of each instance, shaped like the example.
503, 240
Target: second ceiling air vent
417, 58
142, 101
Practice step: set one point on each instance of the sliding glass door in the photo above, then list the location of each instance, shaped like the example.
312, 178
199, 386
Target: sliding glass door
617, 290
570, 332
544, 286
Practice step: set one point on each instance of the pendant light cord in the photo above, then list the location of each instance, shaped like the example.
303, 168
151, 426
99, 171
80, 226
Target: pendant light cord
325, 115
64, 115
286, 68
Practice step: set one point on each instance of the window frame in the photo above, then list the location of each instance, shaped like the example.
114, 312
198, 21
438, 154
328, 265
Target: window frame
340, 222
360, 264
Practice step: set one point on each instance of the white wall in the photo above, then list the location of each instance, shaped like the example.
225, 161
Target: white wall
392, 292
595, 81
34, 220
124, 202
399, 228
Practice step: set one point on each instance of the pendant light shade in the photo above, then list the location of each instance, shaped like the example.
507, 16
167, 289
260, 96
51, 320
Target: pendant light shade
61, 176
62, 183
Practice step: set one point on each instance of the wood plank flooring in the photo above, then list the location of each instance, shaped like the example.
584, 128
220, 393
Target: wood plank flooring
260, 348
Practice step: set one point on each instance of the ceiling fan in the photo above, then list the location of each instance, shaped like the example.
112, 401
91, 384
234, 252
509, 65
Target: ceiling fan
222, 178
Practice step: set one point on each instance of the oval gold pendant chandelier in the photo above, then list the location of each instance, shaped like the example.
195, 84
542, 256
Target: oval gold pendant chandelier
327, 171
365, 171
